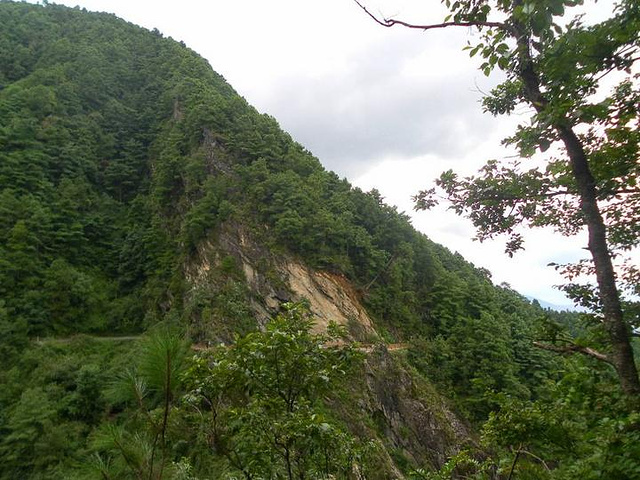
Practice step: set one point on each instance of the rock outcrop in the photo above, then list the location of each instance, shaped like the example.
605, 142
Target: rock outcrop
388, 401
274, 279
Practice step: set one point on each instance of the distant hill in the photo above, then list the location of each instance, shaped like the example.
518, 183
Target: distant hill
553, 306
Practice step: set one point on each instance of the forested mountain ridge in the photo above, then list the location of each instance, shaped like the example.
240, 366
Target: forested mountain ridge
122, 151
139, 189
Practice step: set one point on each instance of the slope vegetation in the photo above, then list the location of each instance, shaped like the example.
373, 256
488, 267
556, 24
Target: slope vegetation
138, 188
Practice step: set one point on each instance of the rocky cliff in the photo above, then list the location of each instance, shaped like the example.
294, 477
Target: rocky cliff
389, 402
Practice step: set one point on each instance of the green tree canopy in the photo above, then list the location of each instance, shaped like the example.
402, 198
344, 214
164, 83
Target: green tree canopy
259, 400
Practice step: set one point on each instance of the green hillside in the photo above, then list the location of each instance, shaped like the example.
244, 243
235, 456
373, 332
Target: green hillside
125, 163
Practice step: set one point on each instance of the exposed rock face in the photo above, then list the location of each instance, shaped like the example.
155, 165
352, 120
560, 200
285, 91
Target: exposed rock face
413, 418
388, 400
331, 296
276, 279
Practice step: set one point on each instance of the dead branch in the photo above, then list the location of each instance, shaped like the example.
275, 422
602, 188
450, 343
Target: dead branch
544, 464
389, 22
573, 348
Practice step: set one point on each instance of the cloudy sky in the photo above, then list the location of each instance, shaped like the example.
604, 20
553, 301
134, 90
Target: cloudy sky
386, 108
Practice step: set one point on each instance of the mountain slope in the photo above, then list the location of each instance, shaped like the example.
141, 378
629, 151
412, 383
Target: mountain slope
137, 187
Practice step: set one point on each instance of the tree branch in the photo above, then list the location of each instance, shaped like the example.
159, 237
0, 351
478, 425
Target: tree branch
545, 195
389, 22
524, 197
537, 458
515, 461
575, 349
366, 289
626, 191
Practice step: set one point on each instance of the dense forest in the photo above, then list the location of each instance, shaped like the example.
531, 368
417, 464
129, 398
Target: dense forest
125, 160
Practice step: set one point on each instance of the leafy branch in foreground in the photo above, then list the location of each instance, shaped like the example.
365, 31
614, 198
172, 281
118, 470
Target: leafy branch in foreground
258, 402
554, 67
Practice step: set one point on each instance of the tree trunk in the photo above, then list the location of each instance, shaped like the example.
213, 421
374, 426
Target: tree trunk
619, 332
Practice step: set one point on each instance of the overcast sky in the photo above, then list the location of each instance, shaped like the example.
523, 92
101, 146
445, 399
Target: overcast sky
386, 108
